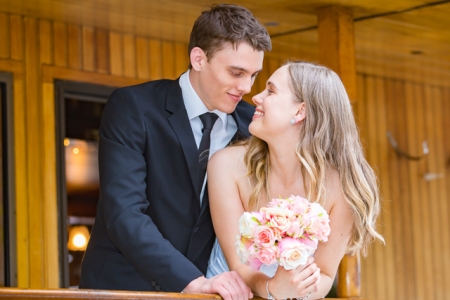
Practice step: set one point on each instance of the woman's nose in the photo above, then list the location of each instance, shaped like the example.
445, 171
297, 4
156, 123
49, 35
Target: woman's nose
257, 99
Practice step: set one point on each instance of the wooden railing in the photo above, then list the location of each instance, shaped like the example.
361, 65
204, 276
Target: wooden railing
80, 294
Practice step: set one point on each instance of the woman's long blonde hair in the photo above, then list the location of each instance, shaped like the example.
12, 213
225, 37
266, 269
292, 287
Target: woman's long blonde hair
329, 140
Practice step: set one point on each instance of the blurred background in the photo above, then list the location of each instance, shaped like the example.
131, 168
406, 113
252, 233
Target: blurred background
60, 60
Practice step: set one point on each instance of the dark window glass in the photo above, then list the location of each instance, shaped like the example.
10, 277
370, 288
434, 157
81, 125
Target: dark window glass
79, 107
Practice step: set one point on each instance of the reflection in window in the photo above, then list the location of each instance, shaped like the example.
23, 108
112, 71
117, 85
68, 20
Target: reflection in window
80, 110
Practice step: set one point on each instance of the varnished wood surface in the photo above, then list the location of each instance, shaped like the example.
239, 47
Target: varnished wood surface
413, 264
81, 294
404, 39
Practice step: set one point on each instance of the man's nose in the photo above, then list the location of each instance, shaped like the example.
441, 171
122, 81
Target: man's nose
245, 85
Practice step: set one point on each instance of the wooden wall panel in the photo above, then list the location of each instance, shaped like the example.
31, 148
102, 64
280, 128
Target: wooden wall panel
102, 50
180, 58
413, 173
60, 44
413, 264
88, 49
74, 46
445, 123
116, 53
46, 42
21, 180
385, 254
34, 154
50, 201
16, 37
142, 59
129, 55
168, 57
4, 35
155, 59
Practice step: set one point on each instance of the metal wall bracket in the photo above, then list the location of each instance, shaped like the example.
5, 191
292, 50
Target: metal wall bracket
403, 153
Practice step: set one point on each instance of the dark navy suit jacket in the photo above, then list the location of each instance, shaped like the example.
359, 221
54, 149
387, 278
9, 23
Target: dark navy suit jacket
150, 232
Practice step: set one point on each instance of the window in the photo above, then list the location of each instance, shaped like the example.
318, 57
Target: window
79, 108
8, 270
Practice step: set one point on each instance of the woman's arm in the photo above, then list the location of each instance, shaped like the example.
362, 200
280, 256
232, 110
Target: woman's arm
225, 171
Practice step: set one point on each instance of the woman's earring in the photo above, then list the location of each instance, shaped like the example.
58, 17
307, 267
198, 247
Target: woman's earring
292, 121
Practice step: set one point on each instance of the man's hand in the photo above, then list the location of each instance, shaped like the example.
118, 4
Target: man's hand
229, 285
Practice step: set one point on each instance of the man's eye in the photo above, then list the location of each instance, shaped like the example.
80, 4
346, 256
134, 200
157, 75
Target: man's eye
237, 74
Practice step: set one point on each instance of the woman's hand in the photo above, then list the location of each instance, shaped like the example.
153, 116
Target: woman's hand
295, 283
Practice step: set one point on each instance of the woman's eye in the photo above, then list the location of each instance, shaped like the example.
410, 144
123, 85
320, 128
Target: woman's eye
269, 91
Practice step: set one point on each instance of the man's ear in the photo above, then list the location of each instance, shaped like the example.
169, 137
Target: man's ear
301, 113
198, 58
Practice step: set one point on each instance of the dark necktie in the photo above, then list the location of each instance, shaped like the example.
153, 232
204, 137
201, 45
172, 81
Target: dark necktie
208, 120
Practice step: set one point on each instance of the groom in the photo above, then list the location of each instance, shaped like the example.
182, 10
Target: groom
153, 229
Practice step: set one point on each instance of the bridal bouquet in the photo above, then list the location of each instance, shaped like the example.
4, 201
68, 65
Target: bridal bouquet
286, 232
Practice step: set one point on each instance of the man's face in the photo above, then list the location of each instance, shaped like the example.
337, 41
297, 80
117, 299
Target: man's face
227, 76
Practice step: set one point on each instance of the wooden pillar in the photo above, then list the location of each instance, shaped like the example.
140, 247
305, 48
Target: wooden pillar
337, 44
337, 51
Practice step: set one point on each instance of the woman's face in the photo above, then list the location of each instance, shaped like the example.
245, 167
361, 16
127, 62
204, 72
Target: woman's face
275, 107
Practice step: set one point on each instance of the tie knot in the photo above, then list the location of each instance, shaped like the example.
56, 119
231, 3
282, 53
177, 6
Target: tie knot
208, 120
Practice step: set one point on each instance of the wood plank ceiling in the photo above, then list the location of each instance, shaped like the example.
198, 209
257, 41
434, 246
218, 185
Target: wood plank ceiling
405, 39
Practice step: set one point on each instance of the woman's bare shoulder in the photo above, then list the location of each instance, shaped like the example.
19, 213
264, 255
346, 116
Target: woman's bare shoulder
229, 158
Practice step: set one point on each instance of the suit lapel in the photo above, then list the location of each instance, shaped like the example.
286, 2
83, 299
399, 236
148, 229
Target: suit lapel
182, 127
242, 129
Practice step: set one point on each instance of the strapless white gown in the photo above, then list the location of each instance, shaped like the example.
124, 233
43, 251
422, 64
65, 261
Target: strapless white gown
217, 263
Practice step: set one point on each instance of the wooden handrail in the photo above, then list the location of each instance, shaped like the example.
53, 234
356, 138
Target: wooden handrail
82, 294
23, 294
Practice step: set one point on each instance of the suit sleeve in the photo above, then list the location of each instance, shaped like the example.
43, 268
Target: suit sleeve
123, 197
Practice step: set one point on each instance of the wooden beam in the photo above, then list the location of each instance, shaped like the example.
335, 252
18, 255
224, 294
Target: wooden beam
337, 51
337, 44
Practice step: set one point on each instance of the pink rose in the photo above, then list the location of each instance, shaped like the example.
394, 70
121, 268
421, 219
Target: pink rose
310, 244
278, 218
293, 253
254, 263
296, 230
264, 236
319, 223
280, 203
268, 255
300, 205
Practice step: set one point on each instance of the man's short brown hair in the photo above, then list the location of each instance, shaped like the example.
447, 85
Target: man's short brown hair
227, 23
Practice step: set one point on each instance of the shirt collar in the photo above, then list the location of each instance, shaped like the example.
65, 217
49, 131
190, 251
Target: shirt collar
194, 105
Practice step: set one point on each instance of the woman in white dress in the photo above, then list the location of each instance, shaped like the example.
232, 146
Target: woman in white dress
305, 142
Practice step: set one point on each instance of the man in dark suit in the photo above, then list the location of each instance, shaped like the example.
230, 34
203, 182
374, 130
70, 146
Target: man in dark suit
153, 229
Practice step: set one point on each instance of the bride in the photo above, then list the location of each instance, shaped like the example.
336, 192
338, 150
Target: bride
305, 142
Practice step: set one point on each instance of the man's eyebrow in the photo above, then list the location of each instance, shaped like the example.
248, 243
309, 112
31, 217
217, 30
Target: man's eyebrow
244, 70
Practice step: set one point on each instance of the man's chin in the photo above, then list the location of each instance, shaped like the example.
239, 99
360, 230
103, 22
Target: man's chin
228, 109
